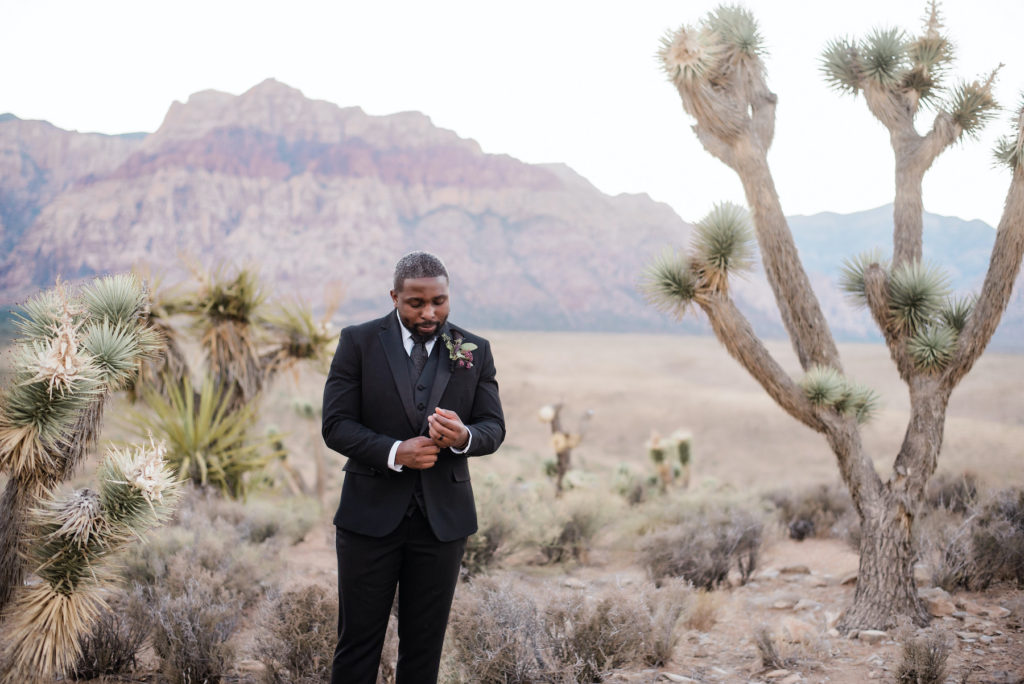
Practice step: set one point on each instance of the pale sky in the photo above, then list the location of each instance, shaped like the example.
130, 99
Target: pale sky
555, 81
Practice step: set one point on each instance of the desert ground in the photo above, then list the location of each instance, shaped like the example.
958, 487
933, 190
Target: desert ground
743, 446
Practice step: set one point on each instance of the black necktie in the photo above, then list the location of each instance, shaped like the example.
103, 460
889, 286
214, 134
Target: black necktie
419, 357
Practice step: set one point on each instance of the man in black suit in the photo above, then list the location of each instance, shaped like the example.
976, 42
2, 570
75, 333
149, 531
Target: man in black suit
408, 398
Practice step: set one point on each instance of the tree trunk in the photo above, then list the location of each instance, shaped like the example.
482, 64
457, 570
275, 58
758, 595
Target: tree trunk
885, 578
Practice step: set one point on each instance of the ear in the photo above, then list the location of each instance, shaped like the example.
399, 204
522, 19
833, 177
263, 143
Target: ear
394, 298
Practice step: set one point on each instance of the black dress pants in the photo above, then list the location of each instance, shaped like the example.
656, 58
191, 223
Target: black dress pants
369, 568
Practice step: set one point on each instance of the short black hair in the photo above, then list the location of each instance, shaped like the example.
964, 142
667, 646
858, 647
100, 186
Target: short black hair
418, 265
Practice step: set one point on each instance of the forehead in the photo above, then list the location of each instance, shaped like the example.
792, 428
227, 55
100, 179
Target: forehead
426, 288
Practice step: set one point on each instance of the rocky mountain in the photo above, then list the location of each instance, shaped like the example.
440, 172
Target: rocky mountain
315, 194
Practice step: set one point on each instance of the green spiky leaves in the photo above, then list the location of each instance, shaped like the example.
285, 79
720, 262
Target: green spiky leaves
972, 105
932, 348
669, 283
689, 55
840, 64
1009, 150
723, 243
883, 56
956, 312
737, 30
226, 297
209, 440
916, 294
826, 387
851, 274
120, 299
71, 540
823, 385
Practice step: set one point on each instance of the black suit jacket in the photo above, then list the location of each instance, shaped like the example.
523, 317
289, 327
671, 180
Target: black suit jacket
368, 406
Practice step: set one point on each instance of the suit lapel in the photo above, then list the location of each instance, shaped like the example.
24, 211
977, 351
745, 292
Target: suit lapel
394, 350
442, 376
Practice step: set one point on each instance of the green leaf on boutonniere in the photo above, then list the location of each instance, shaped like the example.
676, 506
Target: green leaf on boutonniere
467, 346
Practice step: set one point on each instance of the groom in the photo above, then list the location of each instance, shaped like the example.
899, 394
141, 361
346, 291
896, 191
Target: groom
408, 398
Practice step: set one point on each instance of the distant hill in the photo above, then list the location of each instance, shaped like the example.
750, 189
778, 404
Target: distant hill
314, 194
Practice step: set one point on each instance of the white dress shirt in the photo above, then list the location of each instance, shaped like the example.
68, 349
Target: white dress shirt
408, 342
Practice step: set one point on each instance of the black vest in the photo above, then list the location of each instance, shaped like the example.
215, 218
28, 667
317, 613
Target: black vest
421, 387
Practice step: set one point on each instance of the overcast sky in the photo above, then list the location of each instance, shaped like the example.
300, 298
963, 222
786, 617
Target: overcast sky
568, 81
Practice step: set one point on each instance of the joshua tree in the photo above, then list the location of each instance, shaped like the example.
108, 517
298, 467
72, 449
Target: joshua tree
70, 355
717, 69
72, 538
562, 442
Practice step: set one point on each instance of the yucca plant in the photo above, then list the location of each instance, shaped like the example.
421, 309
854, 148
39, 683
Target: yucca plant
73, 350
210, 439
716, 67
72, 539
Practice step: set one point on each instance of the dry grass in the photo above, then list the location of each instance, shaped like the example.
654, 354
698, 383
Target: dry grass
705, 548
297, 633
924, 658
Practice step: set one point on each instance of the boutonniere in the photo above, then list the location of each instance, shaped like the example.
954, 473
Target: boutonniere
459, 352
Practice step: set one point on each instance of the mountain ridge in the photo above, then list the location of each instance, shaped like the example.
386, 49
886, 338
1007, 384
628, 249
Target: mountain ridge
316, 193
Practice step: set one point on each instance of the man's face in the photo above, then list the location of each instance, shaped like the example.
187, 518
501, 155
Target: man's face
422, 304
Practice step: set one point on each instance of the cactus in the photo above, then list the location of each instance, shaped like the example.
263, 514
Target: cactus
71, 353
71, 539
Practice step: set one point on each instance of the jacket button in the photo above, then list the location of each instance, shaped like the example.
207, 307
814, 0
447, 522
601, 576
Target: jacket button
421, 406
421, 387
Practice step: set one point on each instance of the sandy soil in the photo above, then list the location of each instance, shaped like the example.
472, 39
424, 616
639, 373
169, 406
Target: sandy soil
636, 384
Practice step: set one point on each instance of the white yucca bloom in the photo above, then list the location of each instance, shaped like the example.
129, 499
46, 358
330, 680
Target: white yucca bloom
148, 472
61, 363
546, 414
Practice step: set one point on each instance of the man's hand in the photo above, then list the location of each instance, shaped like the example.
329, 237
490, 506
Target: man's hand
418, 453
446, 429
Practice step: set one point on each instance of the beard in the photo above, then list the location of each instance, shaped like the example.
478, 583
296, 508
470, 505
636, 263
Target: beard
419, 335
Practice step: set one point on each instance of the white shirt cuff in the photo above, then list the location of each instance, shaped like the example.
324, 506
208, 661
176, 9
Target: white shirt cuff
391, 457
469, 442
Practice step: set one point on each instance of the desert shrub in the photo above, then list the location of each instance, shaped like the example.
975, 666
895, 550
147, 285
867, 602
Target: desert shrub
176, 553
943, 540
497, 634
821, 511
704, 548
924, 659
998, 539
297, 635
286, 520
590, 636
496, 538
192, 631
112, 647
702, 611
768, 650
955, 493
972, 552
631, 486
570, 530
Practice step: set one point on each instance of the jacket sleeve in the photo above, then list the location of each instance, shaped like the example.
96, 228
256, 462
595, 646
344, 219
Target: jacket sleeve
342, 428
486, 418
